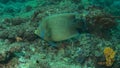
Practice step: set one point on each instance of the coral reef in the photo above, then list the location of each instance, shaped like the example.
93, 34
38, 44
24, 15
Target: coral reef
96, 21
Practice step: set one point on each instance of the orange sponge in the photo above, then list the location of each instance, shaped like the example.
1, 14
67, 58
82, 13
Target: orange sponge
109, 55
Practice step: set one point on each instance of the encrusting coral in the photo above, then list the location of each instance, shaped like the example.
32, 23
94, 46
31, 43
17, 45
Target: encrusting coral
109, 55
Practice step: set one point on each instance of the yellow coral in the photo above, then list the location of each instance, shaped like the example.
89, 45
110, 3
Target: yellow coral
109, 55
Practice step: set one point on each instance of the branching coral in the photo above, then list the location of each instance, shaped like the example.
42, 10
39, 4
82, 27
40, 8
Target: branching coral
109, 55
